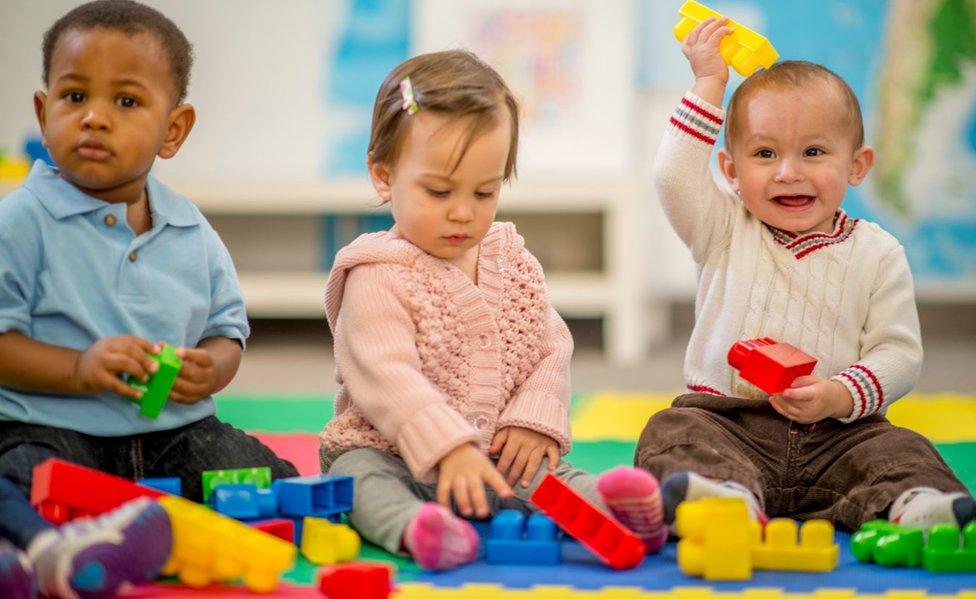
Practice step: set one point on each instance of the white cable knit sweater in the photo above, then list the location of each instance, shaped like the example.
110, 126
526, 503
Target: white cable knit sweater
845, 297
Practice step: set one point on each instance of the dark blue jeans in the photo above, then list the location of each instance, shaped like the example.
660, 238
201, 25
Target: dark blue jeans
208, 444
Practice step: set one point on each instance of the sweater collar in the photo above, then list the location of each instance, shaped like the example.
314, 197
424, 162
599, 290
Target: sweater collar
804, 245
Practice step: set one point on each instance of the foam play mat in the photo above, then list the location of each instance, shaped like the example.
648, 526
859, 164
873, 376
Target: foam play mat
605, 428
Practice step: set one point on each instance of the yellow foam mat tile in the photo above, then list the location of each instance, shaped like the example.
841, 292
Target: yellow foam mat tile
620, 416
491, 591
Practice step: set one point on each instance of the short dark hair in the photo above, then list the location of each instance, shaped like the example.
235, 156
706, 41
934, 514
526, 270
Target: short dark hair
130, 18
793, 74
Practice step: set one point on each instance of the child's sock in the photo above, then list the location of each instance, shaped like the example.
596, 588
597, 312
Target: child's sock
16, 575
97, 557
634, 498
923, 507
439, 540
685, 486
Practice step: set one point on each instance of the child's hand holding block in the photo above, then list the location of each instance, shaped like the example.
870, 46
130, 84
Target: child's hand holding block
769, 365
157, 388
744, 50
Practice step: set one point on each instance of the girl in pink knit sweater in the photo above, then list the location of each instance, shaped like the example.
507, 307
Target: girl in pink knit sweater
453, 366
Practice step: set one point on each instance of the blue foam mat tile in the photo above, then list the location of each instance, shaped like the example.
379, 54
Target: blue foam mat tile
582, 570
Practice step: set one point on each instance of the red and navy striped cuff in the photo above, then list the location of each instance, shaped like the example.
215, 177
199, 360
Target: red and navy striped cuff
698, 118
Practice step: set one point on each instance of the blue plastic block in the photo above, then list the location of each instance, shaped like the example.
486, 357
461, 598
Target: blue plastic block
243, 500
513, 540
319, 495
168, 484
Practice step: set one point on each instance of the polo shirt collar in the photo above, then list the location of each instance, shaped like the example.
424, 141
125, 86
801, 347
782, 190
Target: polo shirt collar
63, 200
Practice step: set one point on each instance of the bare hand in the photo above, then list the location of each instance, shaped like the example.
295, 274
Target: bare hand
99, 367
522, 451
812, 399
197, 376
464, 473
701, 49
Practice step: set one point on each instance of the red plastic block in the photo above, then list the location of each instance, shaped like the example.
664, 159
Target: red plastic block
769, 365
66, 490
279, 527
356, 581
611, 541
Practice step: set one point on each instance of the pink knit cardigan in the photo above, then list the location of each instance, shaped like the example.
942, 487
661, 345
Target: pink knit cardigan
427, 360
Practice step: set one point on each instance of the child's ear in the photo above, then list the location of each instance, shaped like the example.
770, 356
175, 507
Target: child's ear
379, 176
861, 164
40, 100
728, 168
181, 120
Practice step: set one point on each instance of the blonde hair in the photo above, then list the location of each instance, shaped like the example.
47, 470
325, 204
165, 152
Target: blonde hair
455, 83
793, 74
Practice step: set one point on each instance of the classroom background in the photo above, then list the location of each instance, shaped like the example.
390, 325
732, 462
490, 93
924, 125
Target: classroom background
283, 92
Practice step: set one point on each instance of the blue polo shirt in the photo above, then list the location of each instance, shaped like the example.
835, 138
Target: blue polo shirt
72, 272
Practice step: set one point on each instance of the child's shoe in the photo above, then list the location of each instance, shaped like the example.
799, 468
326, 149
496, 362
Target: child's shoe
16, 575
91, 558
439, 540
686, 486
634, 498
924, 507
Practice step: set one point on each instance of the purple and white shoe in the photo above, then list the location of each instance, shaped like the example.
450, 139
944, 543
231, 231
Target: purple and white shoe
16, 574
89, 558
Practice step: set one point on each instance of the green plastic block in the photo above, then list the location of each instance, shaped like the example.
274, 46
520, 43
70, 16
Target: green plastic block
948, 551
888, 544
259, 477
157, 388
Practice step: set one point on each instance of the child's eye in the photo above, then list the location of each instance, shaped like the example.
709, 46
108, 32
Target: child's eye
764, 154
813, 152
75, 97
484, 195
126, 102
438, 193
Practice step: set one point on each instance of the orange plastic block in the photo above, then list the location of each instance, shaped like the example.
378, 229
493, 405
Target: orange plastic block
716, 537
611, 541
779, 550
768, 364
62, 491
209, 547
744, 49
325, 543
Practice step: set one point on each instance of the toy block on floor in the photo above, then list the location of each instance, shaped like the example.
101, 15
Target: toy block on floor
319, 495
716, 538
515, 539
209, 547
242, 501
617, 546
743, 49
68, 490
168, 484
948, 550
156, 390
325, 543
779, 550
769, 365
259, 477
888, 544
357, 581
282, 528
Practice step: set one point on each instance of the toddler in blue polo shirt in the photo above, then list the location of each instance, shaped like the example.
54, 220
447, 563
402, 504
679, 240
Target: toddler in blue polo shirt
100, 263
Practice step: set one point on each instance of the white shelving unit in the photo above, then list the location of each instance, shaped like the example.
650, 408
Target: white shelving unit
617, 293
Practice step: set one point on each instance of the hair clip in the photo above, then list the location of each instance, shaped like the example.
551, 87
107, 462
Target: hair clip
406, 90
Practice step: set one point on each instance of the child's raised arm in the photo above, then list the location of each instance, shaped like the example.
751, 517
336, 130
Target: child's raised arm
699, 211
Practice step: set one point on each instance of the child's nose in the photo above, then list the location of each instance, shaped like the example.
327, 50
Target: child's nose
461, 211
95, 119
788, 171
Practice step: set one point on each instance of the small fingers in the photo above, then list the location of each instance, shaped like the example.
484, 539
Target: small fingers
552, 452
497, 482
115, 385
532, 466
461, 495
518, 466
508, 456
478, 498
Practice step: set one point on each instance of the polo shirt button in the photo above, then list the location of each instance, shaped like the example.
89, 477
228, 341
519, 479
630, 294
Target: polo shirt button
133, 256
110, 220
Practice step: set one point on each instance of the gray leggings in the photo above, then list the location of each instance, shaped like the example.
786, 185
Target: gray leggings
387, 496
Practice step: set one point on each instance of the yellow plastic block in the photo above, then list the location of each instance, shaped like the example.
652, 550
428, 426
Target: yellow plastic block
716, 537
14, 169
325, 543
744, 49
815, 552
209, 547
